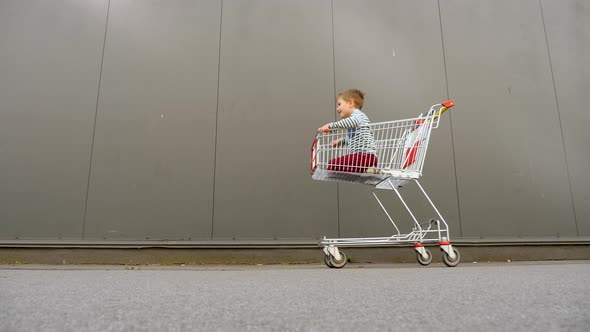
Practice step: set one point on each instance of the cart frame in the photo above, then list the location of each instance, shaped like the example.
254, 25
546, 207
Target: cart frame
401, 150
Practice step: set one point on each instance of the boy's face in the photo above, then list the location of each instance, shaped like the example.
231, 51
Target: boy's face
344, 108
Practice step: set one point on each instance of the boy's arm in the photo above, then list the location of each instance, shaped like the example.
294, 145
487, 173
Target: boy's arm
338, 142
350, 122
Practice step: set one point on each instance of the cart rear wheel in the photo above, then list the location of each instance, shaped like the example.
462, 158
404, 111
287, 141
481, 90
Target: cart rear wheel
451, 262
327, 261
422, 260
338, 263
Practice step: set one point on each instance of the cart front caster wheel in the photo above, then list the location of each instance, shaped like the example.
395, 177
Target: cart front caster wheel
451, 262
422, 260
338, 263
327, 261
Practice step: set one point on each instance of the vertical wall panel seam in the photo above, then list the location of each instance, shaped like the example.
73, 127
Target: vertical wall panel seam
216, 119
567, 169
95, 118
333, 100
450, 120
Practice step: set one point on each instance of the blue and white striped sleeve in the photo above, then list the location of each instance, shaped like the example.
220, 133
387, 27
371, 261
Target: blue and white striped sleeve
350, 122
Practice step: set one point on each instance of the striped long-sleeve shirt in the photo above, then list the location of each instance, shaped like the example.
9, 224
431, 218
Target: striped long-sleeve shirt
359, 138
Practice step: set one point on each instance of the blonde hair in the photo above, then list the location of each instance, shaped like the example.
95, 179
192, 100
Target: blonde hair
357, 96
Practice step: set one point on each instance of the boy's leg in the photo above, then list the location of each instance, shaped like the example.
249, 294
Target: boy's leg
366, 162
353, 163
358, 160
371, 164
344, 163
337, 164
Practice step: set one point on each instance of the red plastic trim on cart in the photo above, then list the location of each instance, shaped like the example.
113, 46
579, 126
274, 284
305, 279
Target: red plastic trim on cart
313, 156
448, 104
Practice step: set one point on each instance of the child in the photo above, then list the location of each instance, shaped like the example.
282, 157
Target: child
359, 139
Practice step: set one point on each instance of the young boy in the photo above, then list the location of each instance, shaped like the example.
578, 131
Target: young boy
359, 139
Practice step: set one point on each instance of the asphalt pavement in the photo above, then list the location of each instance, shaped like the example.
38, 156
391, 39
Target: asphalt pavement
535, 296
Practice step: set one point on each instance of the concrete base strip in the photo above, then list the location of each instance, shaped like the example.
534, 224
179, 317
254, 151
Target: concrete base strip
301, 255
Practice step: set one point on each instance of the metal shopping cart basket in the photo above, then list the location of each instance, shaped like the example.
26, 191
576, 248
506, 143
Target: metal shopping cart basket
401, 149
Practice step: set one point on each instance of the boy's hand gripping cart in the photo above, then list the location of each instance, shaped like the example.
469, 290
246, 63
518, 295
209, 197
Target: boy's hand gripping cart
401, 150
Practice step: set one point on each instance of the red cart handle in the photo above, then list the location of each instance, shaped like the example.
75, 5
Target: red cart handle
448, 104
445, 106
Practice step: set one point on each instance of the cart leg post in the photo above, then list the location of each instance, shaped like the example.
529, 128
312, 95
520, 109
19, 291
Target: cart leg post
448, 248
423, 256
419, 247
333, 250
446, 227
407, 208
386, 213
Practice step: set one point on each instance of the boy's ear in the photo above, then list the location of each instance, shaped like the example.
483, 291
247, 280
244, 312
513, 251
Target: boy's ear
351, 102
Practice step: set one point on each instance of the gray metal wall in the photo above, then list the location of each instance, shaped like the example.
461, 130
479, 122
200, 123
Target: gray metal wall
192, 120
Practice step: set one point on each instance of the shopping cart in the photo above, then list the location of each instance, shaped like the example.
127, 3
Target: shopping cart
401, 149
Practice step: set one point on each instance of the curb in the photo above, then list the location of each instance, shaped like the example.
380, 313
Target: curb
277, 255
